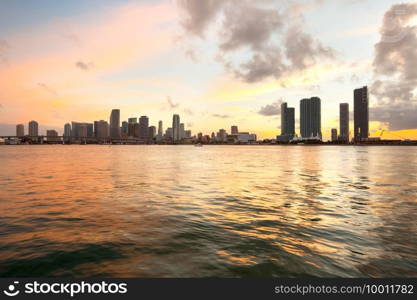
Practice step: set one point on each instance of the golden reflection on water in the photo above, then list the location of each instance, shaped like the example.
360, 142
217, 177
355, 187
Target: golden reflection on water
208, 211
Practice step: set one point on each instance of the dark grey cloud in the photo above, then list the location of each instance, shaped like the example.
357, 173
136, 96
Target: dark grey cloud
198, 14
271, 109
397, 117
256, 39
246, 25
395, 69
262, 65
48, 89
222, 116
303, 50
83, 65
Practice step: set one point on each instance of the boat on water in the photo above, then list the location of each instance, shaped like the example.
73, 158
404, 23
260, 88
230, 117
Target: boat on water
198, 145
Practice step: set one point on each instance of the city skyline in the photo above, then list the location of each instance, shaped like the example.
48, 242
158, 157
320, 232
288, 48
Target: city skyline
309, 123
63, 75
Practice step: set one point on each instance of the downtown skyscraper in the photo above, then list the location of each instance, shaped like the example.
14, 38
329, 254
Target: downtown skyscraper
287, 123
310, 118
20, 130
115, 124
33, 128
143, 128
176, 128
361, 113
344, 122
101, 129
160, 129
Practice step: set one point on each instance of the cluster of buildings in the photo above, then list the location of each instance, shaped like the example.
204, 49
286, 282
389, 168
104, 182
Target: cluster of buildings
138, 131
310, 120
133, 131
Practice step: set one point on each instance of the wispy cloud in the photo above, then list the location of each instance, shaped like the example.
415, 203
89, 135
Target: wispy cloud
171, 104
222, 116
84, 66
48, 89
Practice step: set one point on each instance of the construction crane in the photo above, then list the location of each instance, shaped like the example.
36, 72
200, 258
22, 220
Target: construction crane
383, 131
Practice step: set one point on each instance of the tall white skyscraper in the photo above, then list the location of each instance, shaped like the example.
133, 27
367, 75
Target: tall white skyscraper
176, 128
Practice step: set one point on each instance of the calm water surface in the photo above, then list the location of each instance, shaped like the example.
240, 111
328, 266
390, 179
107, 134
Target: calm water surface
228, 211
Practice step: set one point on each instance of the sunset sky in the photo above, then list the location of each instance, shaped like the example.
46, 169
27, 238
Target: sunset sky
216, 62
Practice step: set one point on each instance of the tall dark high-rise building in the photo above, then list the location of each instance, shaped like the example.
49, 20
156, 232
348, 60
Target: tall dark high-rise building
176, 128
77, 129
344, 122
182, 131
334, 135
310, 118
33, 128
287, 123
136, 130
20, 130
115, 124
188, 134
169, 133
143, 127
131, 126
67, 132
234, 129
361, 113
160, 129
283, 118
101, 129
152, 132
287, 120
124, 128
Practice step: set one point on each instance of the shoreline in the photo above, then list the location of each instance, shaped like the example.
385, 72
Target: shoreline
323, 144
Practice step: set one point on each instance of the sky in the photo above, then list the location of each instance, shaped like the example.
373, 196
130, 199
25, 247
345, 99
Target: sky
217, 63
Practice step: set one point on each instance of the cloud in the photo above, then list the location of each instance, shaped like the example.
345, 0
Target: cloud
271, 109
190, 53
246, 25
188, 111
262, 65
395, 69
48, 89
303, 50
171, 104
257, 40
84, 66
397, 117
222, 116
198, 14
